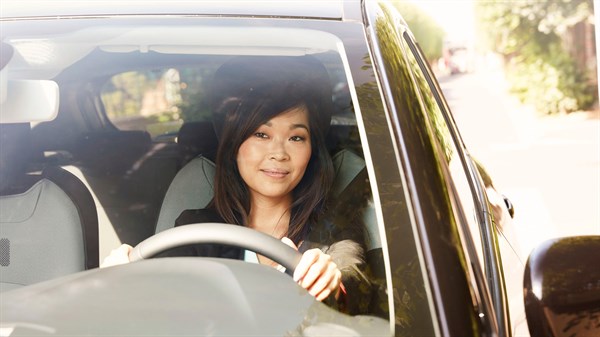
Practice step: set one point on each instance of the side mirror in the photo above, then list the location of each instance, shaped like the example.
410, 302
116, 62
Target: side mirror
562, 287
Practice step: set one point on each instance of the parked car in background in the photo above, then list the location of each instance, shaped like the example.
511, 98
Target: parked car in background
107, 136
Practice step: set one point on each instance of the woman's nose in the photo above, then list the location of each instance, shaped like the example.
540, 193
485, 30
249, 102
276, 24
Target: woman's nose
278, 150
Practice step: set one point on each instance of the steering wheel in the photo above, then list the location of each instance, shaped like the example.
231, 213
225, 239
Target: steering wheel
231, 235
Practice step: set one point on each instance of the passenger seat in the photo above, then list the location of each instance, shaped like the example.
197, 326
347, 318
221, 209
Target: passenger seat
48, 221
192, 187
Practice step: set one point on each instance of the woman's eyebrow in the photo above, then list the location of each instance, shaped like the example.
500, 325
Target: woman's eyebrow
299, 126
292, 127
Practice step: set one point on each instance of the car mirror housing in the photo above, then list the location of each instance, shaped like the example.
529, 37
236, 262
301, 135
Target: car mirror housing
562, 287
18, 106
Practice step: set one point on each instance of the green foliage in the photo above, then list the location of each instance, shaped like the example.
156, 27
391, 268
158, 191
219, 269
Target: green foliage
426, 31
123, 94
552, 83
512, 25
528, 34
195, 106
156, 100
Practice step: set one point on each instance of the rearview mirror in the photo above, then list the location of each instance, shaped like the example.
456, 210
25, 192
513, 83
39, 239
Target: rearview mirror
6, 53
29, 101
562, 287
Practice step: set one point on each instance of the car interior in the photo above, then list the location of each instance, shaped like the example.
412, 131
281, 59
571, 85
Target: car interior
128, 143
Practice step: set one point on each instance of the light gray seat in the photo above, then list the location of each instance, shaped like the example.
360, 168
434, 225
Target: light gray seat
48, 222
192, 188
40, 236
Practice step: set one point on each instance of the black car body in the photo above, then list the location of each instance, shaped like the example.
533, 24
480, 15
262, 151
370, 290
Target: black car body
111, 92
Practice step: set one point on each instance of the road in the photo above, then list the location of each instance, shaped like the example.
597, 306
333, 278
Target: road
548, 166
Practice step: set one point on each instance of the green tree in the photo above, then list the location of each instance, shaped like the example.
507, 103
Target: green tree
426, 30
529, 34
123, 94
195, 105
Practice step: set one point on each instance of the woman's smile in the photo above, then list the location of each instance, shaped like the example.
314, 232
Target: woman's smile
275, 173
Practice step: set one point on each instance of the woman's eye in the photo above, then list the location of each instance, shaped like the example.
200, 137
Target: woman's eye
260, 135
297, 138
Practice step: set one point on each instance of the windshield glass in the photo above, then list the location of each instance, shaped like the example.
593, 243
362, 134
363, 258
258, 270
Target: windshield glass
137, 109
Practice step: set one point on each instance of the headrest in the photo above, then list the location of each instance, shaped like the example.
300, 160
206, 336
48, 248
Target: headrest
241, 75
195, 138
112, 151
16, 154
15, 142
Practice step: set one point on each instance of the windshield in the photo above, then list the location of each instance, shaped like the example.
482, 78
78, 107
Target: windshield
135, 108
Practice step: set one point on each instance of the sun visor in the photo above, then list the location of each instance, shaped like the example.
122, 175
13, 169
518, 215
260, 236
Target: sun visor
25, 101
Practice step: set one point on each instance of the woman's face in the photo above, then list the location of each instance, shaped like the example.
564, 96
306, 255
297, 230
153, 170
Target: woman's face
272, 161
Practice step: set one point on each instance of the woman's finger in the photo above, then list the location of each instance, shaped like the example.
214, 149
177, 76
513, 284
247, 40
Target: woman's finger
327, 284
308, 258
332, 288
326, 280
315, 269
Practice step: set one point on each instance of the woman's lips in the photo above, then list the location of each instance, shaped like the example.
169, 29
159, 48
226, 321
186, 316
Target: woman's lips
275, 173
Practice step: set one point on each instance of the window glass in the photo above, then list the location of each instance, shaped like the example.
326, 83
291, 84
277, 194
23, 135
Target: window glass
414, 313
158, 101
450, 154
159, 91
162, 100
429, 150
469, 214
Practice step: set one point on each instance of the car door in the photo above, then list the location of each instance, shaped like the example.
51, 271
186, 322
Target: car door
470, 195
489, 224
457, 253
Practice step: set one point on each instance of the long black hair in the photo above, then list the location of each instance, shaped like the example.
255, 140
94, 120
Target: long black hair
250, 91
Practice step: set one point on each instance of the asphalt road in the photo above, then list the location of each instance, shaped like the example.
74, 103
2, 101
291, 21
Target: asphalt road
548, 166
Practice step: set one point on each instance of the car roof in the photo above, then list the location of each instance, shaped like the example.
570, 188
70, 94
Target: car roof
322, 9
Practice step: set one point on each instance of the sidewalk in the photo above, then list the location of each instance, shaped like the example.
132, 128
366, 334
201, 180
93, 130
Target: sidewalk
548, 166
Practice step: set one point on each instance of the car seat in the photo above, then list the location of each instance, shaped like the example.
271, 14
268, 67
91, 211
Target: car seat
197, 138
192, 187
48, 221
128, 174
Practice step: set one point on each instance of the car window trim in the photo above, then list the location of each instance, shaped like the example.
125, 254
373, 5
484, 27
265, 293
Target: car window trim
372, 180
490, 249
372, 12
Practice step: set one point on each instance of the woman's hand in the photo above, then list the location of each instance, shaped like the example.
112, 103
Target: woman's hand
317, 273
119, 255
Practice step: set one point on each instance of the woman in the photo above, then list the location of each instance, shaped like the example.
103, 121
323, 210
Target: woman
274, 171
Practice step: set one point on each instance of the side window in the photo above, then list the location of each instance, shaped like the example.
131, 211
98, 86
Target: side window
451, 154
158, 101
465, 187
